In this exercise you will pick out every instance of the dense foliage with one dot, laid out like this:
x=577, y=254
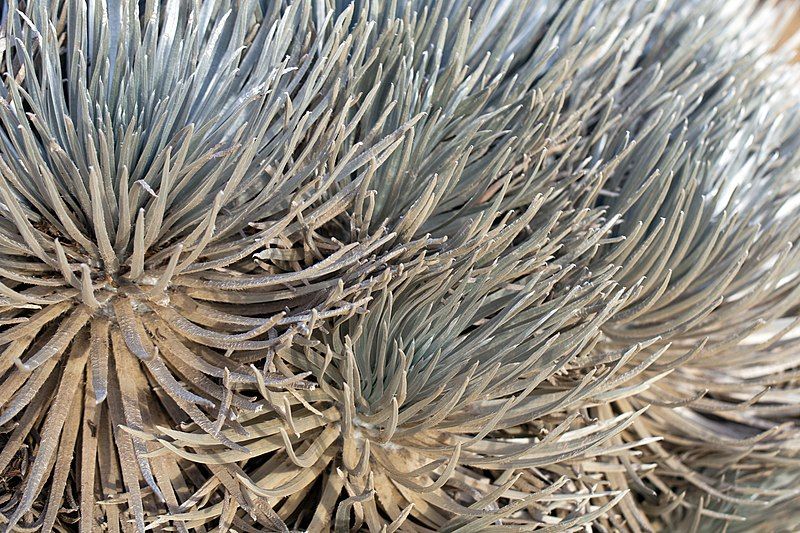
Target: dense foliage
x=475, y=265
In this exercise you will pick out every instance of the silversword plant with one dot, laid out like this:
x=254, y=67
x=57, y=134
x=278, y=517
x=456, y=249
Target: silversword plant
x=379, y=265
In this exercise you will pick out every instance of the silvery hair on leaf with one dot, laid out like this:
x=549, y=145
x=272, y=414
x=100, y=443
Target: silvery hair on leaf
x=398, y=265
